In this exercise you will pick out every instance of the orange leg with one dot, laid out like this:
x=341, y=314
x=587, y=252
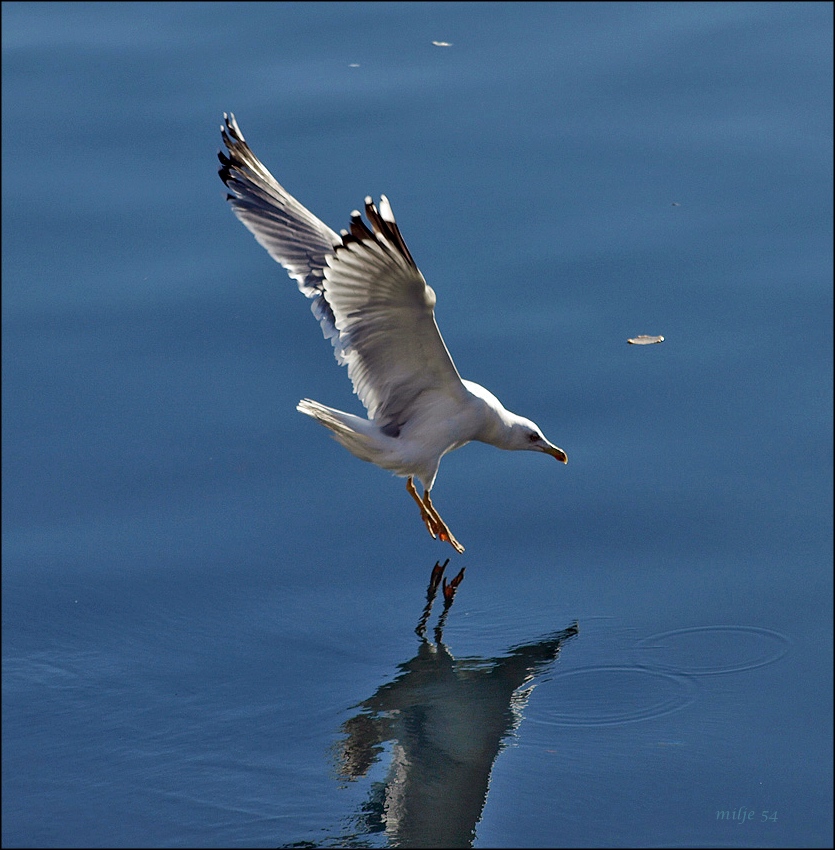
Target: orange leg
x=410, y=487
x=431, y=518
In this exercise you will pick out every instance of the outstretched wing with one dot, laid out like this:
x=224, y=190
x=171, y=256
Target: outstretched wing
x=369, y=295
x=292, y=235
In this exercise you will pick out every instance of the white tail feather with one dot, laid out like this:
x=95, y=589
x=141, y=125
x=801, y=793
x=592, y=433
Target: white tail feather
x=351, y=431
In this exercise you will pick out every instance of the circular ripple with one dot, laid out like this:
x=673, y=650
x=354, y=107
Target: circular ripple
x=712, y=650
x=609, y=696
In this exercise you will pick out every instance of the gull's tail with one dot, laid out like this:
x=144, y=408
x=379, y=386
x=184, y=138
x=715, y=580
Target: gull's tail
x=360, y=436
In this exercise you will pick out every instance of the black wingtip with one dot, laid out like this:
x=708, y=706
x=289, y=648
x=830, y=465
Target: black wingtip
x=380, y=227
x=359, y=229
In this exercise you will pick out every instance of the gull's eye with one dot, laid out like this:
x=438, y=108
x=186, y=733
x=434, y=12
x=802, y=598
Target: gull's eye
x=533, y=437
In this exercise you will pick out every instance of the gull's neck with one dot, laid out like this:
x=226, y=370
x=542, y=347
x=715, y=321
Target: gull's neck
x=495, y=422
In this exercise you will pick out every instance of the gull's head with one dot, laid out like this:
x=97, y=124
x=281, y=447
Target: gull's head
x=507, y=430
x=524, y=435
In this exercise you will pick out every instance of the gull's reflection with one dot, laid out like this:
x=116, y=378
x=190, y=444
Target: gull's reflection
x=445, y=720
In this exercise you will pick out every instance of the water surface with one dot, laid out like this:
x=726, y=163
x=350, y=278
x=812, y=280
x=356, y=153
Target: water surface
x=206, y=600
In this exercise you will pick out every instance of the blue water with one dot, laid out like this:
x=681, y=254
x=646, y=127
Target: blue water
x=209, y=607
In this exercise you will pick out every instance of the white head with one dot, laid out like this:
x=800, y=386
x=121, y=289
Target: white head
x=524, y=435
x=506, y=430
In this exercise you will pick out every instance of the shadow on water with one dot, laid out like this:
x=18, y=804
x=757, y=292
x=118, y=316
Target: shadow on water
x=443, y=720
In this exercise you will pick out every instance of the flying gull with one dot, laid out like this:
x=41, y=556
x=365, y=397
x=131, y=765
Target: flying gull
x=378, y=312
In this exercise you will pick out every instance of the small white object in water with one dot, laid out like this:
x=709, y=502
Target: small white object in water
x=645, y=339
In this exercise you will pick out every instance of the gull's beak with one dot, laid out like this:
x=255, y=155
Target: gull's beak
x=559, y=454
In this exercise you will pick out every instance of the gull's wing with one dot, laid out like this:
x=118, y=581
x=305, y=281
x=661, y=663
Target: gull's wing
x=386, y=319
x=292, y=235
x=372, y=300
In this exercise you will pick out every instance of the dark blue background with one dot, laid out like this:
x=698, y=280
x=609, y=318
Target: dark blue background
x=198, y=584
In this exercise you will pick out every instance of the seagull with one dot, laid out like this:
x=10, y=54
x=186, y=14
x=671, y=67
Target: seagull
x=377, y=310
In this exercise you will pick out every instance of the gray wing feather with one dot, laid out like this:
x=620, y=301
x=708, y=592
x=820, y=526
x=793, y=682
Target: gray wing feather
x=292, y=235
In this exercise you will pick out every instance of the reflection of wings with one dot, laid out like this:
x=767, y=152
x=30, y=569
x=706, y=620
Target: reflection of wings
x=446, y=719
x=362, y=746
x=369, y=296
